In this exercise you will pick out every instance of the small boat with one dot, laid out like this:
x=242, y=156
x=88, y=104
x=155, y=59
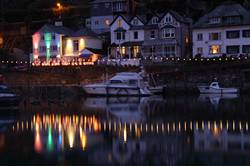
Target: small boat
x=8, y=99
x=122, y=84
x=214, y=88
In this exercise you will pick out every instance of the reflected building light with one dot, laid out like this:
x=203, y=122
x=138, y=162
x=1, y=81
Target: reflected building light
x=191, y=125
x=247, y=126
x=125, y=135
x=233, y=125
x=50, y=140
x=38, y=143
x=71, y=136
x=208, y=125
x=221, y=125
x=83, y=138
x=202, y=125
x=162, y=127
x=168, y=127
x=185, y=125
x=174, y=127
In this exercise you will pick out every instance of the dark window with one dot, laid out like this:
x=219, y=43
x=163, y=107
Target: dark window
x=42, y=49
x=53, y=48
x=120, y=35
x=233, y=49
x=233, y=34
x=199, y=36
x=233, y=20
x=96, y=22
x=42, y=37
x=214, y=36
x=53, y=37
x=135, y=35
x=152, y=34
x=170, y=50
x=76, y=45
x=246, y=33
x=246, y=49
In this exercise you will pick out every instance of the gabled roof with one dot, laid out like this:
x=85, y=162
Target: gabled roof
x=226, y=9
x=56, y=29
x=142, y=18
x=176, y=15
x=125, y=18
x=85, y=32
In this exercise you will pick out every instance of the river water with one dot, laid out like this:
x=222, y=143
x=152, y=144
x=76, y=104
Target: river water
x=174, y=130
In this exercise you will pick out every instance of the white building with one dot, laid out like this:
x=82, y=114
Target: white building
x=56, y=42
x=223, y=31
x=127, y=36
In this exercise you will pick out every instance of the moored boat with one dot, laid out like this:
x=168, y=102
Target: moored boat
x=215, y=88
x=122, y=84
x=8, y=99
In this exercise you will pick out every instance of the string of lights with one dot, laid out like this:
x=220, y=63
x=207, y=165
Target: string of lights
x=158, y=59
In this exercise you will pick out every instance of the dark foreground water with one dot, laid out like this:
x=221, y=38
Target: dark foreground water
x=176, y=130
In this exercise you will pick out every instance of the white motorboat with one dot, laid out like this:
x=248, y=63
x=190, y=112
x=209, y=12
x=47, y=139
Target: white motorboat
x=122, y=84
x=215, y=88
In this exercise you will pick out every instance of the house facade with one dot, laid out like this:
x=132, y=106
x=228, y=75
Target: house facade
x=53, y=42
x=223, y=31
x=127, y=36
x=164, y=35
x=167, y=35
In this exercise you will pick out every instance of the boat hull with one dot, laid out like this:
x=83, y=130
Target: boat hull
x=116, y=91
x=212, y=90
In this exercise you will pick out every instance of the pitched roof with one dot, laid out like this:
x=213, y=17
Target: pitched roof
x=85, y=32
x=226, y=9
x=56, y=29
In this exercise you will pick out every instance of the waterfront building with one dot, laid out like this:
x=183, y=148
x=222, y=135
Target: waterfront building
x=161, y=35
x=223, y=31
x=167, y=35
x=56, y=42
x=127, y=36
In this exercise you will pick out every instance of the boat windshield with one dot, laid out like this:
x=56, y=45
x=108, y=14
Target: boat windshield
x=115, y=82
x=132, y=82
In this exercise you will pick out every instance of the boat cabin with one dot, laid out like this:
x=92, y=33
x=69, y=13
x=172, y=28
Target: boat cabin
x=128, y=78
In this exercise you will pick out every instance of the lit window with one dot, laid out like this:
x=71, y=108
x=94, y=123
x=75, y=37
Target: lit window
x=119, y=23
x=215, y=49
x=107, y=22
x=123, y=50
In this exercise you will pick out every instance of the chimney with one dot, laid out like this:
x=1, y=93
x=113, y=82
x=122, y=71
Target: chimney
x=58, y=23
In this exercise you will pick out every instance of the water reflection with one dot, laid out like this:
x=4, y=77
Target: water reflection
x=130, y=131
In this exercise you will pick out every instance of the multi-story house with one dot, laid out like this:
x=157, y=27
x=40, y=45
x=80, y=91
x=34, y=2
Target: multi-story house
x=127, y=36
x=223, y=31
x=61, y=43
x=103, y=12
x=167, y=35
